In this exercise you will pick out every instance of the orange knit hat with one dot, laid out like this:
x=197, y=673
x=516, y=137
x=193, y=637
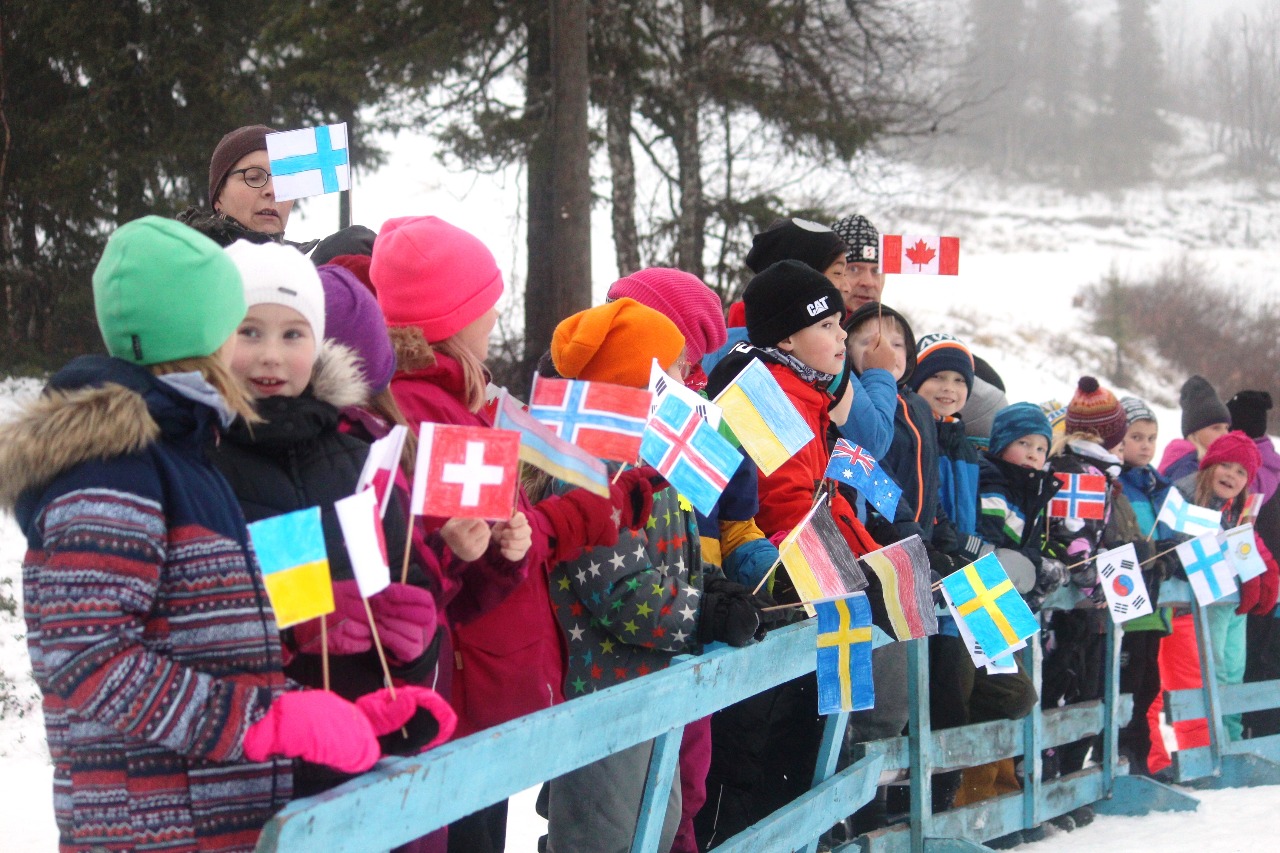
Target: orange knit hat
x=616, y=343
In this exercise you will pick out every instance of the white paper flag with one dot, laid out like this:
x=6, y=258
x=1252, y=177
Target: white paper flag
x=1207, y=569
x=661, y=384
x=1242, y=552
x=1121, y=580
x=380, y=466
x=310, y=161
x=366, y=544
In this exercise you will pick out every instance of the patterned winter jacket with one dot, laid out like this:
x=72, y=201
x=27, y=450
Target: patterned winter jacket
x=148, y=626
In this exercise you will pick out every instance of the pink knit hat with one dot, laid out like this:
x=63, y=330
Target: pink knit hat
x=1236, y=447
x=685, y=300
x=433, y=275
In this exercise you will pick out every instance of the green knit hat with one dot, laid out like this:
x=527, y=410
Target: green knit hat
x=164, y=291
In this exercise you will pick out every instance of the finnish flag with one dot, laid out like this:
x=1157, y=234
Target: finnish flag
x=310, y=161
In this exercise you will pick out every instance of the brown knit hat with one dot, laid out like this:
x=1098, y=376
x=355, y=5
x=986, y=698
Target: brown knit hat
x=236, y=144
x=615, y=343
x=1095, y=409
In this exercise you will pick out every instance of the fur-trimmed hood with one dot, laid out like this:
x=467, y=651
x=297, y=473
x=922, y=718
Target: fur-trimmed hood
x=336, y=377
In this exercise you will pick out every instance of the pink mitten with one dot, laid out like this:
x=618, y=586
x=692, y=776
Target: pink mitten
x=406, y=619
x=348, y=625
x=316, y=726
x=425, y=706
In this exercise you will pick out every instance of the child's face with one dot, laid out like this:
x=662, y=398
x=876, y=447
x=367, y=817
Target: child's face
x=864, y=338
x=275, y=349
x=1206, y=436
x=475, y=335
x=1228, y=479
x=1139, y=445
x=945, y=392
x=1029, y=451
x=821, y=346
x=835, y=274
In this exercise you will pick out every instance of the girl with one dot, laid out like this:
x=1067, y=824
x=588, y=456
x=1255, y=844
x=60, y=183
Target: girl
x=438, y=286
x=148, y=625
x=297, y=458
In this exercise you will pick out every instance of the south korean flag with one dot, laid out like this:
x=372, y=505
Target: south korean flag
x=1121, y=580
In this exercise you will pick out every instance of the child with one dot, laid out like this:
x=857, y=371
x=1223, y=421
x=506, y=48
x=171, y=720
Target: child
x=763, y=749
x=296, y=458
x=1204, y=418
x=626, y=610
x=150, y=634
x=438, y=287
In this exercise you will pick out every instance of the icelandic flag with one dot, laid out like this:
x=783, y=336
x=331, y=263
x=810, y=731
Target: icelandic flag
x=844, y=655
x=817, y=558
x=603, y=419
x=310, y=161
x=1122, y=583
x=295, y=565
x=1242, y=552
x=661, y=385
x=465, y=472
x=1207, y=568
x=1081, y=496
x=763, y=418
x=543, y=449
x=854, y=466
x=987, y=603
x=919, y=254
x=903, y=570
x=689, y=452
x=366, y=542
x=379, y=471
x=1183, y=517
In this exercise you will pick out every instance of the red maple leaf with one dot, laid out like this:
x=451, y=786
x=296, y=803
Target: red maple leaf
x=920, y=254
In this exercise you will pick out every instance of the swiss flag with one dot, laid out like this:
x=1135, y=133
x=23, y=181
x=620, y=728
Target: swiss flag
x=467, y=472
x=919, y=254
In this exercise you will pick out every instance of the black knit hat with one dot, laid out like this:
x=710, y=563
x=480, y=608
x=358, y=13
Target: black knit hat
x=1249, y=412
x=352, y=240
x=1200, y=406
x=865, y=312
x=801, y=240
x=785, y=298
x=862, y=237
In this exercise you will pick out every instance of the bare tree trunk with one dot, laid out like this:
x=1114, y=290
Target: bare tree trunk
x=690, y=238
x=622, y=165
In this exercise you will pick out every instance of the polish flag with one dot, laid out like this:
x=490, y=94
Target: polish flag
x=919, y=254
x=379, y=471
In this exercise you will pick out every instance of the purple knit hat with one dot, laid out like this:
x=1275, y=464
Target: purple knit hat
x=353, y=318
x=685, y=300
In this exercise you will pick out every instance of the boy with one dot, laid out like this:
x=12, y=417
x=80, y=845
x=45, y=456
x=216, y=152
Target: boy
x=1204, y=419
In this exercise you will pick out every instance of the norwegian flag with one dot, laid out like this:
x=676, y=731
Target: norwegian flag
x=379, y=470
x=603, y=419
x=919, y=254
x=688, y=451
x=465, y=472
x=1081, y=496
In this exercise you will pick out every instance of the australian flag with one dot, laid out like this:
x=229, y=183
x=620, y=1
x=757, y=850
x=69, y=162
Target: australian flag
x=854, y=466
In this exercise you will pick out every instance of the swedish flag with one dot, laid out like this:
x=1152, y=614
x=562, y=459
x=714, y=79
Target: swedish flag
x=984, y=597
x=844, y=654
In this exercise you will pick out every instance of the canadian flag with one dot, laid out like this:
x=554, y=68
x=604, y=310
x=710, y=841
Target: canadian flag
x=379, y=469
x=919, y=254
x=466, y=472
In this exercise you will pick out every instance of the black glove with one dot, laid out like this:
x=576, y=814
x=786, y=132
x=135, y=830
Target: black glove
x=935, y=584
x=939, y=562
x=731, y=614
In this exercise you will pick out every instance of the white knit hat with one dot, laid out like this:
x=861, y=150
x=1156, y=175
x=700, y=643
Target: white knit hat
x=280, y=275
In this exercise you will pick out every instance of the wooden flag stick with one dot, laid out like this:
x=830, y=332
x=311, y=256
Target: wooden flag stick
x=408, y=548
x=765, y=579
x=1152, y=558
x=621, y=468
x=324, y=653
x=782, y=607
x=377, y=644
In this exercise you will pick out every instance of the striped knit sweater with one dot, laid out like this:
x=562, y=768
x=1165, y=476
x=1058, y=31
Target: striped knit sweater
x=148, y=628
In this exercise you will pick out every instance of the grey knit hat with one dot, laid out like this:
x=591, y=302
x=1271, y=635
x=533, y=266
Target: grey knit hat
x=1136, y=410
x=1201, y=406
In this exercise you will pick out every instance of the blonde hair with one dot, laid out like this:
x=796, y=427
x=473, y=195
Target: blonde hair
x=1233, y=508
x=1060, y=442
x=474, y=378
x=383, y=404
x=217, y=374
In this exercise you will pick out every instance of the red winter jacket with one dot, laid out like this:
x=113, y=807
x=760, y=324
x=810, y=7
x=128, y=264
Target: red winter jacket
x=510, y=660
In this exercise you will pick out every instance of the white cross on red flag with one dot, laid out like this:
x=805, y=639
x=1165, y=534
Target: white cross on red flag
x=465, y=472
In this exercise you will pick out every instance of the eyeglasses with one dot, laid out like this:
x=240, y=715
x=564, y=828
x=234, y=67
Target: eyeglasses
x=254, y=176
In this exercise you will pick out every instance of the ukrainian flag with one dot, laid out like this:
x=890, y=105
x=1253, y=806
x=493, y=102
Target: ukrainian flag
x=763, y=418
x=295, y=566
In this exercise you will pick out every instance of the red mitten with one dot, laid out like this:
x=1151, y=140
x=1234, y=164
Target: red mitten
x=420, y=704
x=1268, y=591
x=579, y=519
x=316, y=726
x=1250, y=591
x=632, y=495
x=406, y=619
x=348, y=625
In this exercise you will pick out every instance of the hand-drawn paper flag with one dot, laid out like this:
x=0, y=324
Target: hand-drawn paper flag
x=986, y=601
x=543, y=449
x=854, y=466
x=1183, y=517
x=762, y=417
x=919, y=254
x=1006, y=664
x=366, y=542
x=1081, y=496
x=1207, y=568
x=379, y=471
x=1252, y=506
x=465, y=472
x=310, y=161
x=1242, y=552
x=295, y=566
x=661, y=385
x=1122, y=582
x=844, y=655
x=689, y=452
x=603, y=419
x=818, y=559
x=903, y=571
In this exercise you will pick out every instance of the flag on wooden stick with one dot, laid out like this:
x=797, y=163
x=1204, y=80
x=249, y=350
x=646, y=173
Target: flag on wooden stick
x=295, y=565
x=903, y=571
x=465, y=472
x=987, y=603
x=763, y=418
x=818, y=558
x=310, y=161
x=919, y=254
x=1081, y=496
x=1207, y=568
x=603, y=419
x=844, y=655
x=543, y=449
x=1122, y=583
x=854, y=466
x=379, y=471
x=1183, y=517
x=1241, y=549
x=689, y=452
x=365, y=540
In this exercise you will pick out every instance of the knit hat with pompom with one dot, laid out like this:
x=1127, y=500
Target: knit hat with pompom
x=1095, y=409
